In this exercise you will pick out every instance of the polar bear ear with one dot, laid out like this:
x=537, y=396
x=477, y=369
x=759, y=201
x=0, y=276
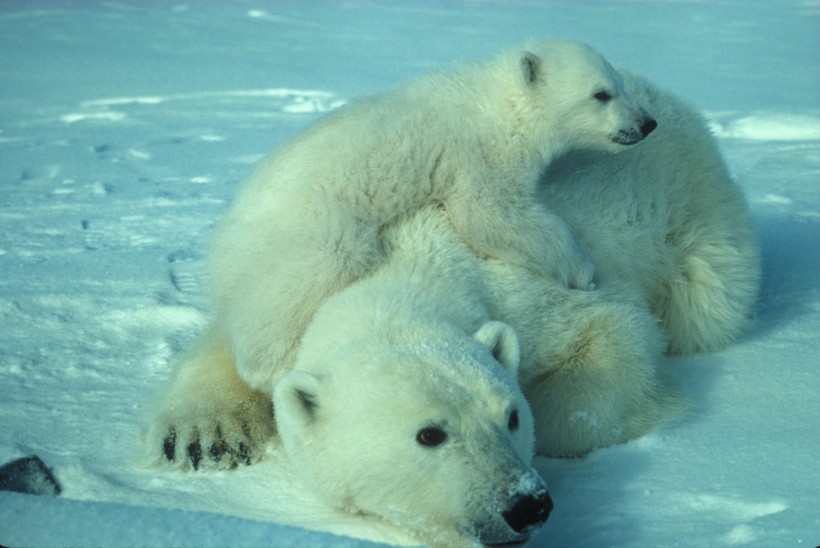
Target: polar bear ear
x=502, y=342
x=296, y=398
x=531, y=68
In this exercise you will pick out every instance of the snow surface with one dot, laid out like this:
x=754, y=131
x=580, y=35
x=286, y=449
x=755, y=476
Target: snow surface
x=124, y=128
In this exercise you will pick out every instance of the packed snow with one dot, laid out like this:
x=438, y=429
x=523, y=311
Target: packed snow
x=124, y=128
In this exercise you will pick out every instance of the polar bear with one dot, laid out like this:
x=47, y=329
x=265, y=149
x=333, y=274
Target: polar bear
x=676, y=272
x=403, y=401
x=679, y=272
x=667, y=217
x=474, y=138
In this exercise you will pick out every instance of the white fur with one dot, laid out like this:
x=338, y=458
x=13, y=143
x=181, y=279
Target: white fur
x=307, y=222
x=678, y=272
x=409, y=347
x=419, y=340
x=667, y=217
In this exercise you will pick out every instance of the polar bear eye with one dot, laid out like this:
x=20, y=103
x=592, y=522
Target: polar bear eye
x=431, y=436
x=512, y=423
x=603, y=96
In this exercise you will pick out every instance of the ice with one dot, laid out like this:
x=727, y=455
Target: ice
x=124, y=129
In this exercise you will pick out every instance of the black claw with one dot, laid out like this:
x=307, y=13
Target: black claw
x=243, y=455
x=194, y=454
x=169, y=445
x=218, y=450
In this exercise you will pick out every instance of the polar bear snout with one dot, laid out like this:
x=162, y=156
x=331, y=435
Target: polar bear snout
x=528, y=512
x=648, y=126
x=637, y=132
x=527, y=508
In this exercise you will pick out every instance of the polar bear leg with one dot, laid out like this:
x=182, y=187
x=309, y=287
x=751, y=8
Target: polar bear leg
x=286, y=274
x=591, y=375
x=708, y=295
x=601, y=385
x=208, y=417
x=523, y=233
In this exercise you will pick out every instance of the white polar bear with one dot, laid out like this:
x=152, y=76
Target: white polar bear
x=307, y=222
x=672, y=239
x=677, y=271
x=403, y=402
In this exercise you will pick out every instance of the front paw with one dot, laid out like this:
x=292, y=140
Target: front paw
x=583, y=278
x=577, y=271
x=202, y=437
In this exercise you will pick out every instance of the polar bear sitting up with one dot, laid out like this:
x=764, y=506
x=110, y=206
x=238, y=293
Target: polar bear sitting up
x=307, y=222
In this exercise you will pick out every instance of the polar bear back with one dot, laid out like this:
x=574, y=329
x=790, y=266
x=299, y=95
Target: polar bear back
x=667, y=216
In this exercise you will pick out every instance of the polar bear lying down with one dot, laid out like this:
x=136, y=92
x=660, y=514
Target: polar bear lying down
x=420, y=391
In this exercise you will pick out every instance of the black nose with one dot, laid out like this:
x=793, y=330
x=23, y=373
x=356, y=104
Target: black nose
x=527, y=512
x=648, y=126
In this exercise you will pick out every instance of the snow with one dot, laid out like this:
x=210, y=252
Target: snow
x=124, y=128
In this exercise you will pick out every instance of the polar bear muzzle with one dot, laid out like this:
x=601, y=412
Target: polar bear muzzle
x=528, y=508
x=636, y=134
x=528, y=512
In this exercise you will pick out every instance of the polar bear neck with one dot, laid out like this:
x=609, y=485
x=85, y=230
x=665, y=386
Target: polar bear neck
x=474, y=104
x=441, y=293
x=501, y=95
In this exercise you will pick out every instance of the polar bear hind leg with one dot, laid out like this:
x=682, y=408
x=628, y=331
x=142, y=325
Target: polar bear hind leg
x=708, y=294
x=590, y=361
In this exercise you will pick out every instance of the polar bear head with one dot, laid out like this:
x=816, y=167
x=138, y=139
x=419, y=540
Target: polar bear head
x=426, y=428
x=574, y=99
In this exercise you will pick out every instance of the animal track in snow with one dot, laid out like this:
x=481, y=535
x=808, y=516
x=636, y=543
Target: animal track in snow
x=185, y=272
x=126, y=233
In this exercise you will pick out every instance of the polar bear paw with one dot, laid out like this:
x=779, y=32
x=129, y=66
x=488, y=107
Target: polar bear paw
x=576, y=270
x=202, y=437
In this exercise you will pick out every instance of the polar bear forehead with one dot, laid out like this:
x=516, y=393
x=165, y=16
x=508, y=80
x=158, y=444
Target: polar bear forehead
x=459, y=370
x=568, y=59
x=565, y=52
